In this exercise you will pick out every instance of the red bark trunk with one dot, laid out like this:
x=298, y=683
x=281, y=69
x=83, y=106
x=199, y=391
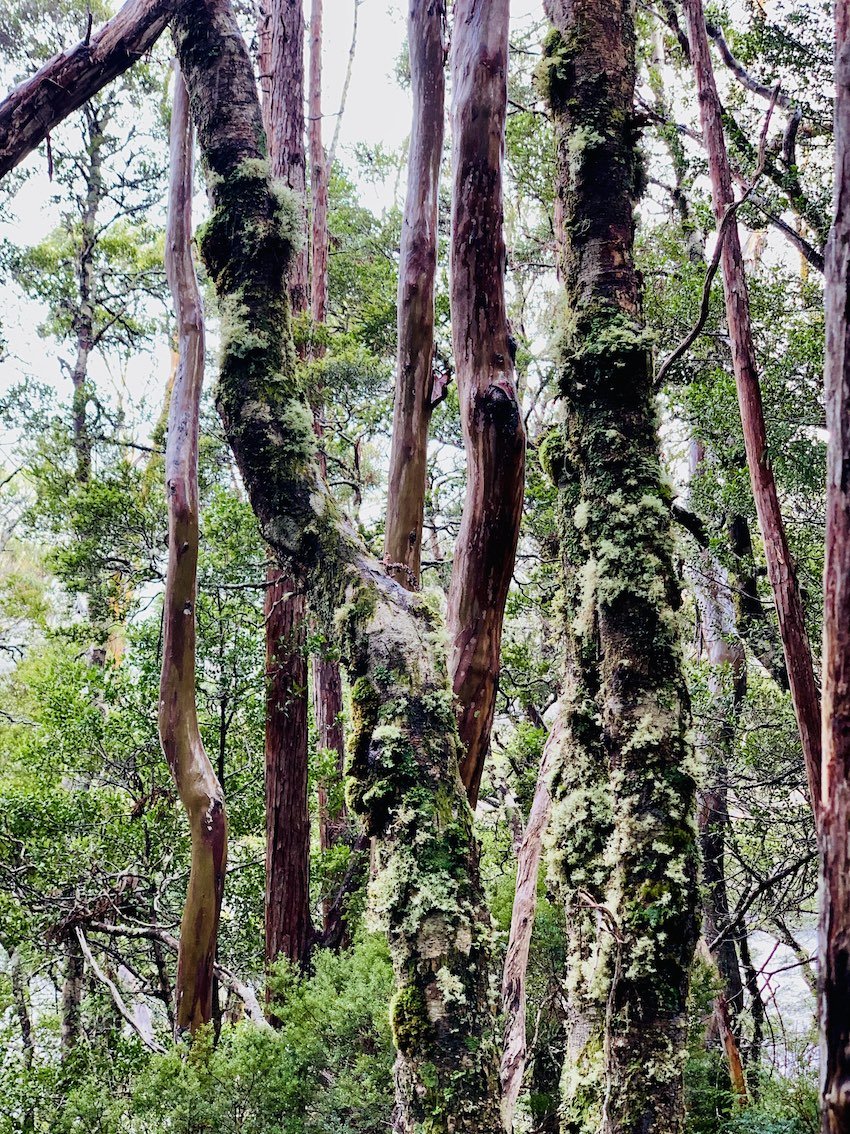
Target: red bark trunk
x=780, y=567
x=416, y=274
x=493, y=432
x=318, y=171
x=835, y=831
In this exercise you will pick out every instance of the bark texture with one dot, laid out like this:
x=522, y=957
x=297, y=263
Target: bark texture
x=493, y=432
x=288, y=920
x=318, y=171
x=522, y=927
x=404, y=748
x=65, y=82
x=190, y=766
x=627, y=708
x=835, y=833
x=780, y=566
x=426, y=26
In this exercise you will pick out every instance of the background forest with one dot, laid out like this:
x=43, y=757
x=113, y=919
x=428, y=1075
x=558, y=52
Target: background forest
x=95, y=847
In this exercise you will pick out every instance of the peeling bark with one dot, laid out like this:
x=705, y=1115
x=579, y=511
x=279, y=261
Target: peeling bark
x=780, y=566
x=404, y=748
x=493, y=431
x=199, y=789
x=32, y=109
x=834, y=1005
x=522, y=927
x=627, y=703
x=417, y=270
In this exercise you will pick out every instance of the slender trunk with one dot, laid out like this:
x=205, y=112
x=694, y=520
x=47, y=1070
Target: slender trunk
x=38, y=104
x=835, y=842
x=289, y=925
x=288, y=920
x=522, y=927
x=426, y=22
x=404, y=746
x=343, y=98
x=193, y=773
x=318, y=171
x=727, y=684
x=493, y=432
x=72, y=995
x=783, y=579
x=615, y=505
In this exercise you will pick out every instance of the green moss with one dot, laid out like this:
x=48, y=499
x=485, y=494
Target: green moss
x=409, y=1019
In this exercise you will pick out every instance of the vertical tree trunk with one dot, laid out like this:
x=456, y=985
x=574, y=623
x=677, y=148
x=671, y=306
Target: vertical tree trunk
x=193, y=773
x=493, y=432
x=522, y=927
x=318, y=171
x=289, y=925
x=835, y=834
x=629, y=1079
x=72, y=995
x=783, y=579
x=426, y=21
x=288, y=920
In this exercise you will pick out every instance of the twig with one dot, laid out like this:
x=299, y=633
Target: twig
x=118, y=1000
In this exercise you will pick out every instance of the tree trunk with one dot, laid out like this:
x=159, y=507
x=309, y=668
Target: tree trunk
x=835, y=835
x=288, y=920
x=404, y=748
x=426, y=24
x=193, y=773
x=318, y=171
x=614, y=503
x=727, y=683
x=783, y=579
x=493, y=432
x=522, y=927
x=32, y=109
x=72, y=995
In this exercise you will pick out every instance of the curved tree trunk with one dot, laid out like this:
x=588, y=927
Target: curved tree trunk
x=404, y=748
x=193, y=773
x=426, y=23
x=493, y=432
x=780, y=566
x=835, y=835
x=615, y=506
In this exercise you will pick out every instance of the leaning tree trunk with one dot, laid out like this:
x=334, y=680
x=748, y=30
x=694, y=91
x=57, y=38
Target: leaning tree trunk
x=288, y=920
x=493, y=431
x=404, y=748
x=835, y=831
x=193, y=773
x=780, y=566
x=426, y=24
x=619, y=510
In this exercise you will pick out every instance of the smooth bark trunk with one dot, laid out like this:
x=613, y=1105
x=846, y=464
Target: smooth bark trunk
x=199, y=788
x=780, y=566
x=835, y=834
x=615, y=507
x=426, y=28
x=493, y=431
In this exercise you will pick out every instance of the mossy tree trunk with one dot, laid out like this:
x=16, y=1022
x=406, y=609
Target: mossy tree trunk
x=404, y=750
x=491, y=417
x=630, y=704
x=417, y=270
x=835, y=833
